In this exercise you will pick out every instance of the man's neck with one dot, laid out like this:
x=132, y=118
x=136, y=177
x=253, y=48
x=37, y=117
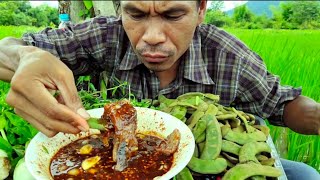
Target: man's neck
x=166, y=77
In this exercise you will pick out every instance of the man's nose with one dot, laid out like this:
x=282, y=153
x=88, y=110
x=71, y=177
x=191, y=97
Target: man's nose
x=154, y=33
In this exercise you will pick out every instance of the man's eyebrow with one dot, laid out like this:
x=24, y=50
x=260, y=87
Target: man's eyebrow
x=132, y=8
x=175, y=10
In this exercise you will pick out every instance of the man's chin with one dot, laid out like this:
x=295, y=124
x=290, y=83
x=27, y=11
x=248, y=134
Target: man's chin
x=157, y=69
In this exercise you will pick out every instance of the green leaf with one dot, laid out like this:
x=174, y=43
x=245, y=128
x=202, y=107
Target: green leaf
x=94, y=124
x=5, y=145
x=21, y=131
x=15, y=120
x=92, y=88
x=82, y=13
x=2, y=122
x=19, y=149
x=88, y=4
x=86, y=78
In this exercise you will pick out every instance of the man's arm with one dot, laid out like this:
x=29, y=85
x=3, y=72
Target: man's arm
x=9, y=57
x=303, y=115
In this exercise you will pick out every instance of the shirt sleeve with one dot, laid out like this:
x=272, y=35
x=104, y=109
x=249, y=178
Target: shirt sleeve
x=82, y=47
x=260, y=92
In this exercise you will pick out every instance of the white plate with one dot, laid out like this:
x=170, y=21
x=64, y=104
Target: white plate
x=41, y=148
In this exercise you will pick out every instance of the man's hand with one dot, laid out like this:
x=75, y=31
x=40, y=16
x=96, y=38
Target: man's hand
x=37, y=73
x=303, y=115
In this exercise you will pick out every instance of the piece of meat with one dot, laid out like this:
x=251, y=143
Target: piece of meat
x=171, y=143
x=123, y=117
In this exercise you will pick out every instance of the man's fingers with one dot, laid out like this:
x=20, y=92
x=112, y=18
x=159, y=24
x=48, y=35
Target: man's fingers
x=35, y=123
x=53, y=115
x=68, y=91
x=48, y=123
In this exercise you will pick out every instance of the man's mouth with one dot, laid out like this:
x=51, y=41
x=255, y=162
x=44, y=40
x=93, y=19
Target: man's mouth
x=154, y=57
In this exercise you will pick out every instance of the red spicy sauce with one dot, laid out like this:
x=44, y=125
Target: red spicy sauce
x=147, y=164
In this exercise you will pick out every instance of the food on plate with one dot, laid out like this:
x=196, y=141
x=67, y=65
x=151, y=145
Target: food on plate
x=118, y=152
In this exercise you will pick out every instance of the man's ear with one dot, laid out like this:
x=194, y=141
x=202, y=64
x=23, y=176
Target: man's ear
x=202, y=11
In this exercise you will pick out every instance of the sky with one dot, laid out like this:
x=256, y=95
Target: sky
x=227, y=4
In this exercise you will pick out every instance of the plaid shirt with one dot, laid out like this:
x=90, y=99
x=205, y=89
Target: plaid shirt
x=215, y=62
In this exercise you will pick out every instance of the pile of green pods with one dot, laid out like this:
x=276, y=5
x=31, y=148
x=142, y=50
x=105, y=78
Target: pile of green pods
x=228, y=143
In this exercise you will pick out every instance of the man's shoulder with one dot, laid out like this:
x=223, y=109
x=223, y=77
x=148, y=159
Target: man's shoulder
x=219, y=39
x=108, y=20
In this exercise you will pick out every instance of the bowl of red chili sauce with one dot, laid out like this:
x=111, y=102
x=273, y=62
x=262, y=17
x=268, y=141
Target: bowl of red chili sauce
x=90, y=155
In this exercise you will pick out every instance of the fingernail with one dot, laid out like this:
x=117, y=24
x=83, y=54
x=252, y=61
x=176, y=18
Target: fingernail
x=82, y=128
x=83, y=113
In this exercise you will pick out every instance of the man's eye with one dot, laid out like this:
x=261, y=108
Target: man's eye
x=173, y=17
x=138, y=16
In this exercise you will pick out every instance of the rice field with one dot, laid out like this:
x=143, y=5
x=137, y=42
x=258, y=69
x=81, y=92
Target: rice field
x=293, y=55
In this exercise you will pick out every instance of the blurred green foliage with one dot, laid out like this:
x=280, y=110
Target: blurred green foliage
x=19, y=13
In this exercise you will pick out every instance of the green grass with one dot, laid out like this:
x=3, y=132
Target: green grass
x=295, y=57
x=16, y=31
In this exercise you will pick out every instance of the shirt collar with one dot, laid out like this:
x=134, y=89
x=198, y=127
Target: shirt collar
x=195, y=68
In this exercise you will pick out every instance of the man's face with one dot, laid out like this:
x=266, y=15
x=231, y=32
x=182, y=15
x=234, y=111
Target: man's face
x=160, y=31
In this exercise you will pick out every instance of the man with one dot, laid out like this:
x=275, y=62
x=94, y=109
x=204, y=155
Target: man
x=159, y=47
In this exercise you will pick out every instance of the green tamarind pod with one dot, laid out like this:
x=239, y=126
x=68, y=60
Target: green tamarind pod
x=201, y=147
x=196, y=151
x=239, y=129
x=226, y=116
x=213, y=142
x=179, y=112
x=229, y=163
x=193, y=101
x=243, y=138
x=194, y=118
x=230, y=158
x=184, y=174
x=249, y=150
x=230, y=147
x=258, y=178
x=203, y=106
x=263, y=128
x=252, y=118
x=165, y=101
x=234, y=122
x=268, y=162
x=199, y=128
x=261, y=157
x=244, y=171
x=201, y=138
x=182, y=103
x=205, y=166
x=190, y=95
x=212, y=110
x=244, y=120
x=212, y=97
x=224, y=130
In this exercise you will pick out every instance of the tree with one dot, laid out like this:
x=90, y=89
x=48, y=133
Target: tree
x=302, y=14
x=21, y=13
x=216, y=5
x=305, y=11
x=242, y=14
x=215, y=15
